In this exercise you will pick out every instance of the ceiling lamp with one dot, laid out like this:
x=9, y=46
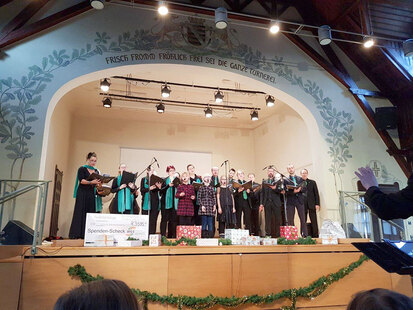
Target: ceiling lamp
x=208, y=112
x=104, y=85
x=165, y=91
x=162, y=8
x=219, y=96
x=408, y=48
x=160, y=108
x=221, y=18
x=274, y=27
x=254, y=116
x=368, y=42
x=107, y=102
x=269, y=101
x=97, y=4
x=324, y=35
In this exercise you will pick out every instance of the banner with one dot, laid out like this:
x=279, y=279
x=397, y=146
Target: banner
x=108, y=229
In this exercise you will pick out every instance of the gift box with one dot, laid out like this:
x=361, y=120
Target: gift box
x=190, y=232
x=104, y=240
x=289, y=232
x=236, y=235
x=207, y=242
x=328, y=239
x=250, y=240
x=155, y=240
x=129, y=243
x=269, y=241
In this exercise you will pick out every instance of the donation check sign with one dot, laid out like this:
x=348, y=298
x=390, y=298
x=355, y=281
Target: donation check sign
x=108, y=229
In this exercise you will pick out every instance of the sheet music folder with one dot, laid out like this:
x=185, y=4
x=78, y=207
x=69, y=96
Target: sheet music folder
x=388, y=256
x=102, y=178
x=128, y=177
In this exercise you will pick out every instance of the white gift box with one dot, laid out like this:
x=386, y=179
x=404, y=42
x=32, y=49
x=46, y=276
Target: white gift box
x=104, y=240
x=236, y=235
x=129, y=243
x=207, y=242
x=328, y=239
x=155, y=240
x=269, y=241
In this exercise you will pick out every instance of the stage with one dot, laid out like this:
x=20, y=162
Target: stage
x=35, y=282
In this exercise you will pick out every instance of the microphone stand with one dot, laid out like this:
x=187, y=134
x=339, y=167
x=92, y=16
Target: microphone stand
x=283, y=188
x=226, y=169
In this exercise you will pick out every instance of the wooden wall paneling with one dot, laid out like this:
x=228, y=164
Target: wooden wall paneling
x=43, y=278
x=10, y=280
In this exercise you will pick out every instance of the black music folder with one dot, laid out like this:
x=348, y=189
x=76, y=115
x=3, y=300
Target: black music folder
x=102, y=178
x=155, y=179
x=176, y=182
x=392, y=256
x=127, y=177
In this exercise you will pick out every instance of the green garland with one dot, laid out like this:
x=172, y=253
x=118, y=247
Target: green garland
x=312, y=291
x=307, y=240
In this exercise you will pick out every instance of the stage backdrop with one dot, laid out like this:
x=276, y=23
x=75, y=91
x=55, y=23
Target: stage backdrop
x=138, y=159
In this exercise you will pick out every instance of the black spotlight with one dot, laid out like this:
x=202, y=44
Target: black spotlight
x=107, y=102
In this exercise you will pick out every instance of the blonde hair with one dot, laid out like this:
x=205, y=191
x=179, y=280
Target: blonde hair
x=184, y=173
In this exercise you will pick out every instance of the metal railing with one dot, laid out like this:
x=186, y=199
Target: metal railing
x=368, y=229
x=9, y=191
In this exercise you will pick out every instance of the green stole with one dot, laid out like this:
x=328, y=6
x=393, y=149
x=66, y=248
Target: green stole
x=170, y=197
x=98, y=199
x=125, y=198
x=146, y=197
x=244, y=193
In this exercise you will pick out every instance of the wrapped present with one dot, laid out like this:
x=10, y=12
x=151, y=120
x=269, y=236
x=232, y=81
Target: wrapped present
x=328, y=239
x=330, y=227
x=155, y=240
x=207, y=242
x=269, y=241
x=129, y=243
x=104, y=240
x=236, y=235
x=190, y=232
x=289, y=232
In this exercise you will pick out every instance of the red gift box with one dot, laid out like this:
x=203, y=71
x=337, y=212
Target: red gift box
x=289, y=232
x=190, y=232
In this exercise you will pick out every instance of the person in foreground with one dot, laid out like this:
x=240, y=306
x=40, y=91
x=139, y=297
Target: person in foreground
x=98, y=295
x=386, y=206
x=380, y=299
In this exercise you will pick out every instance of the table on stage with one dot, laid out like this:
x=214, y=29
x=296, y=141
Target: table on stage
x=37, y=282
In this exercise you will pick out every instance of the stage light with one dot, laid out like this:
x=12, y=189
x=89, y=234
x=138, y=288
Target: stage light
x=165, y=91
x=107, y=102
x=408, y=48
x=162, y=8
x=269, y=101
x=97, y=4
x=104, y=85
x=254, y=116
x=160, y=108
x=324, y=35
x=368, y=42
x=274, y=27
x=221, y=18
x=219, y=96
x=208, y=112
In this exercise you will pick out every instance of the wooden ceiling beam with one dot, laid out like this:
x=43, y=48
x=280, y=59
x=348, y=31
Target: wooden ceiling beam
x=365, y=17
x=347, y=11
x=45, y=23
x=4, y=2
x=22, y=18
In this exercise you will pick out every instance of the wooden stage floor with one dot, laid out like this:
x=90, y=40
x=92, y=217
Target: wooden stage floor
x=35, y=282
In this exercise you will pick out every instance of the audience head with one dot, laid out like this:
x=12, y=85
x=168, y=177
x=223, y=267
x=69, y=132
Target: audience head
x=291, y=169
x=380, y=299
x=91, y=159
x=304, y=174
x=98, y=295
x=215, y=171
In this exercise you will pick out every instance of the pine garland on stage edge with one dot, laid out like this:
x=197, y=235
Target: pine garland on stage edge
x=315, y=289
